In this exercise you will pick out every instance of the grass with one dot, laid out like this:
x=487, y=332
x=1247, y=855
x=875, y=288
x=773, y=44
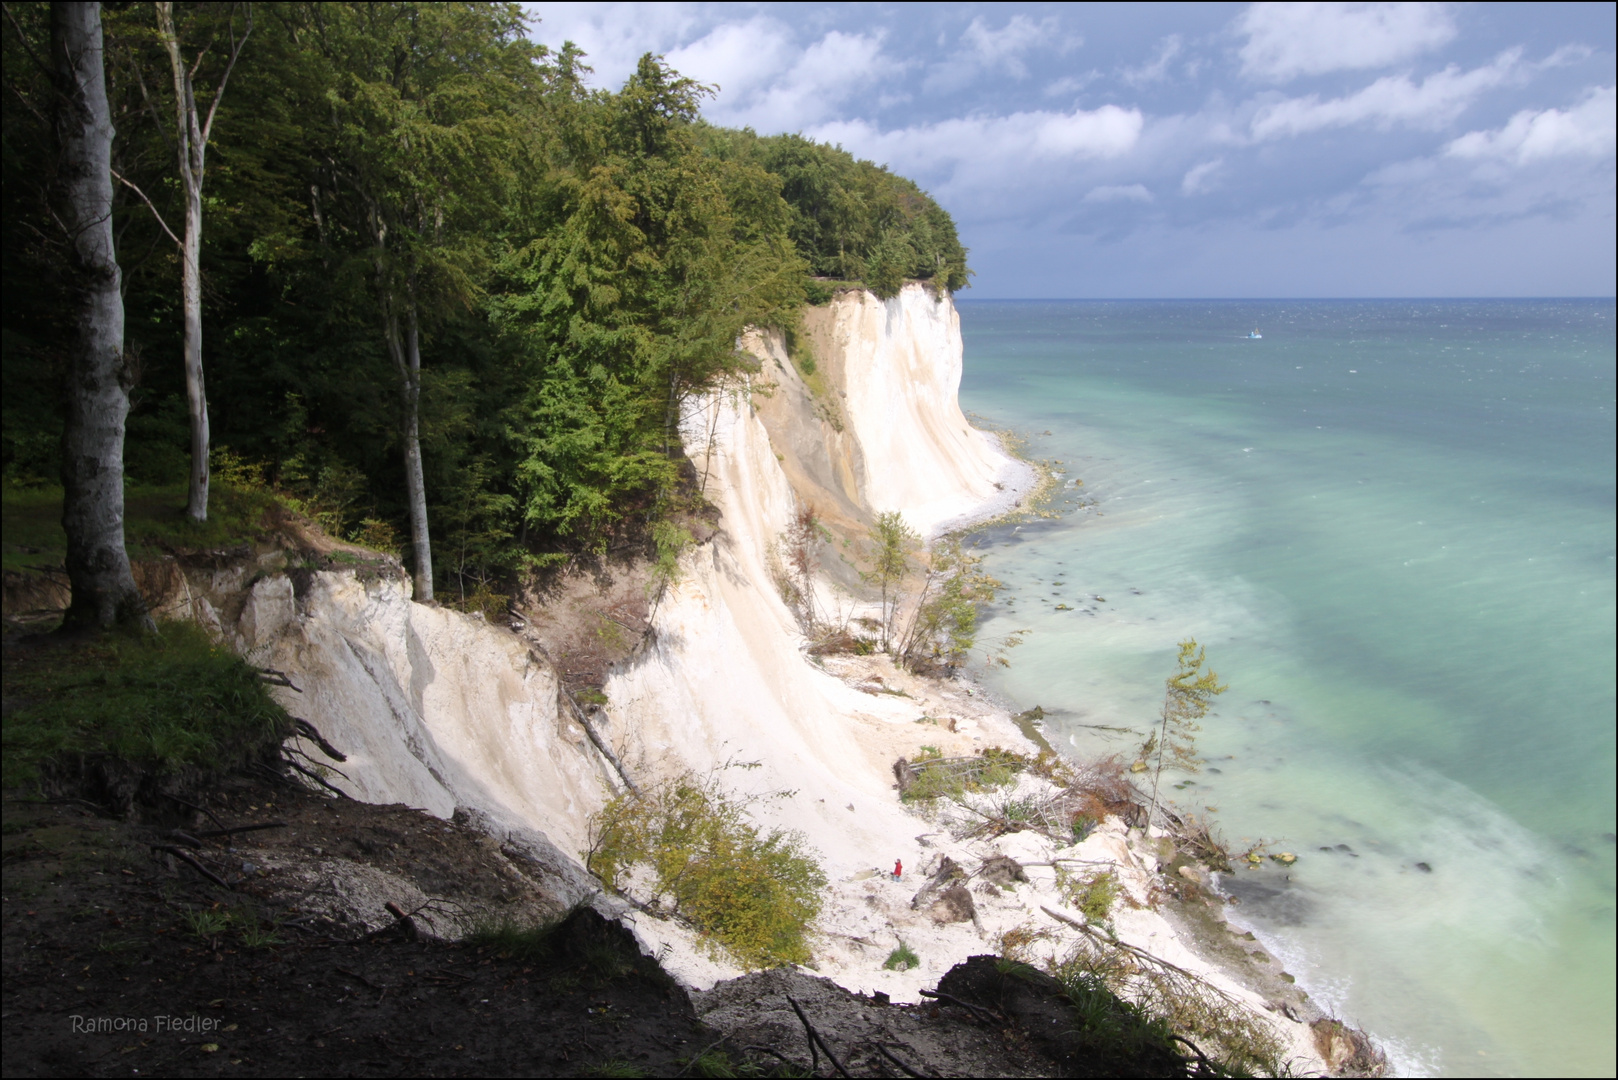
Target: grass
x=507, y=937
x=158, y=704
x=902, y=959
x=209, y=923
x=154, y=522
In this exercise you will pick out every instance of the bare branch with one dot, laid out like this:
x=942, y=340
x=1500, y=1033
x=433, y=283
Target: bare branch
x=235, y=52
x=154, y=210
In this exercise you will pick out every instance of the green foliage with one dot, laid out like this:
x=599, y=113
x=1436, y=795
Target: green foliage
x=754, y=893
x=902, y=959
x=1092, y=893
x=162, y=703
x=669, y=542
x=944, y=626
x=953, y=778
x=853, y=221
x=207, y=923
x=579, y=265
x=1188, y=694
x=889, y=554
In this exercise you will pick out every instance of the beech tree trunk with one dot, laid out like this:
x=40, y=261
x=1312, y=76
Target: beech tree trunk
x=405, y=348
x=97, y=395
x=192, y=142
x=415, y=484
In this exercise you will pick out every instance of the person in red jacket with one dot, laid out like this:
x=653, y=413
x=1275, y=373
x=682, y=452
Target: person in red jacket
x=898, y=869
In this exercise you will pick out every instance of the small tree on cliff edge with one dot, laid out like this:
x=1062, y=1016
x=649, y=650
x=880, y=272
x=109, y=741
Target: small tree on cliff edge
x=1187, y=695
x=891, y=559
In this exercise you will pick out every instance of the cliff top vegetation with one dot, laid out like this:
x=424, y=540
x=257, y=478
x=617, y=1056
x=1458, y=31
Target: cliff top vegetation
x=450, y=298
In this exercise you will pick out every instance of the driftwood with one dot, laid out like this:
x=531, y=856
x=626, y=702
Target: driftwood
x=403, y=920
x=973, y=1009
x=186, y=857
x=902, y=1067
x=814, y=1037
x=317, y=779
x=308, y=731
x=598, y=741
x=211, y=833
x=277, y=678
x=194, y=806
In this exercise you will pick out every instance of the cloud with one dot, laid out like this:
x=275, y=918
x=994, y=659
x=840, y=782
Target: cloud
x=1071, y=84
x=1393, y=99
x=1589, y=129
x=994, y=153
x=1155, y=70
x=804, y=89
x=1004, y=48
x=1119, y=193
x=984, y=51
x=738, y=57
x=615, y=36
x=1285, y=41
x=1200, y=178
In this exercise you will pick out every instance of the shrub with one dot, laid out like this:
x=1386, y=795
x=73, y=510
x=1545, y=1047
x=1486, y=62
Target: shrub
x=754, y=893
x=1093, y=893
x=902, y=959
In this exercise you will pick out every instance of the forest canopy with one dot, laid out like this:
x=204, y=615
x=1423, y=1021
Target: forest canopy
x=445, y=287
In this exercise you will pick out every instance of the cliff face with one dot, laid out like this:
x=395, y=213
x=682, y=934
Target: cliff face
x=443, y=711
x=878, y=425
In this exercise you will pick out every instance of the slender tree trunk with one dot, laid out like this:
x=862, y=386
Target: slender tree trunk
x=97, y=402
x=192, y=146
x=415, y=485
x=196, y=397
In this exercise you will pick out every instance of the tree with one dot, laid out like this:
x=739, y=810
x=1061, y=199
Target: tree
x=1186, y=698
x=192, y=133
x=890, y=559
x=944, y=622
x=425, y=102
x=648, y=258
x=97, y=390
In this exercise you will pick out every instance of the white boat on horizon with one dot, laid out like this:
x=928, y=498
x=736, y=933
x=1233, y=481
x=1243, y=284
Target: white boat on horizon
x=1255, y=336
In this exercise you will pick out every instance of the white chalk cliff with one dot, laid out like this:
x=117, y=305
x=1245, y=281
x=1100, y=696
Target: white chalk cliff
x=443, y=711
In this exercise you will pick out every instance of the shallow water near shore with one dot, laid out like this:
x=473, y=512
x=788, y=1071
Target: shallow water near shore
x=1391, y=524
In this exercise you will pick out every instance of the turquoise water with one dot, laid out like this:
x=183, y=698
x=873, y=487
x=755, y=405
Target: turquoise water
x=1391, y=524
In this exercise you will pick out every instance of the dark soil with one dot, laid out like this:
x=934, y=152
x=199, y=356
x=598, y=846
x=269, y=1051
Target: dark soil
x=107, y=971
x=121, y=959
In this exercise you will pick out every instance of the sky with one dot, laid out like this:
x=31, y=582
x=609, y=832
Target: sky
x=1190, y=150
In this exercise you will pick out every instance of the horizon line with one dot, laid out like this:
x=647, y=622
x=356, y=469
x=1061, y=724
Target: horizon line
x=1250, y=299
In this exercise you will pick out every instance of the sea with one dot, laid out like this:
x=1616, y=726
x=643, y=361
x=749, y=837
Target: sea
x=1390, y=525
